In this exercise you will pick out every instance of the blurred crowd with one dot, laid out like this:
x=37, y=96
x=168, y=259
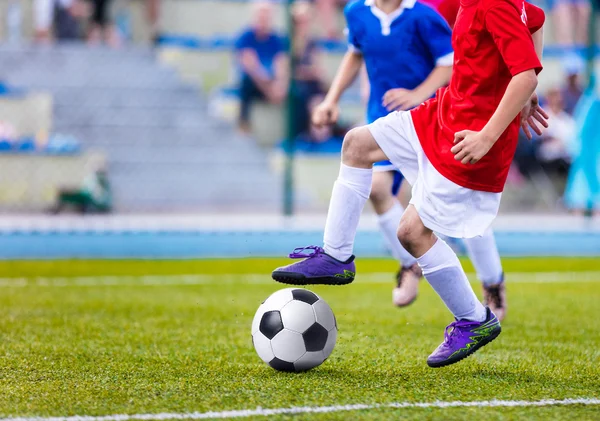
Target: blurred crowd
x=84, y=19
x=553, y=152
x=264, y=64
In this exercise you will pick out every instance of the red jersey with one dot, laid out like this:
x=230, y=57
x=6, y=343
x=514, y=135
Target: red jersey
x=449, y=9
x=492, y=43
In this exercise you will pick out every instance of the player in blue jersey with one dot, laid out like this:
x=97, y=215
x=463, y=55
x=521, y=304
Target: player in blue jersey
x=406, y=48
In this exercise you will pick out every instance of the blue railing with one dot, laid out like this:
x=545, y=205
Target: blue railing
x=226, y=42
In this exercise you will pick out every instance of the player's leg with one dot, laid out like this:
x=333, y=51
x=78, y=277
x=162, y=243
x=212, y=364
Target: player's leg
x=389, y=211
x=334, y=263
x=385, y=186
x=475, y=326
x=483, y=252
x=381, y=197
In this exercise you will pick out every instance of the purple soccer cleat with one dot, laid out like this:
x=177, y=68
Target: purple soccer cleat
x=317, y=268
x=462, y=338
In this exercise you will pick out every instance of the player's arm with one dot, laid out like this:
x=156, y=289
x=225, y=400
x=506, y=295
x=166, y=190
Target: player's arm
x=471, y=146
x=436, y=39
x=327, y=112
x=440, y=76
x=517, y=94
x=532, y=113
x=405, y=99
x=538, y=42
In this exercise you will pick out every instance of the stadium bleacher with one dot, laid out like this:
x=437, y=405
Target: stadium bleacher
x=164, y=151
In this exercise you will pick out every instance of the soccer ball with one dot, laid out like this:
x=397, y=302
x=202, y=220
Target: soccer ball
x=294, y=330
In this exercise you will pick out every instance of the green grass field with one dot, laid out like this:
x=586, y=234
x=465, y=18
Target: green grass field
x=102, y=338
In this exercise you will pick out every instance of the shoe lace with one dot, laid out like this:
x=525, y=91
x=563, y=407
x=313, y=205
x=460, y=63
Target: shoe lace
x=454, y=328
x=303, y=252
x=494, y=295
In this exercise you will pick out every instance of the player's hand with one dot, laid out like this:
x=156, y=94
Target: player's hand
x=325, y=113
x=469, y=147
x=400, y=99
x=531, y=113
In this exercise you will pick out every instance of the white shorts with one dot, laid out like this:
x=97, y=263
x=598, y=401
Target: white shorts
x=443, y=206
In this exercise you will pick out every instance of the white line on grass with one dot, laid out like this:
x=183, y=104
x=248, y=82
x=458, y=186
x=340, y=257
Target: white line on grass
x=255, y=278
x=244, y=413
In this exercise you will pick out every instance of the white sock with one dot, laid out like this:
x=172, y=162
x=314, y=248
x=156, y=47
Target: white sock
x=350, y=193
x=388, y=225
x=443, y=271
x=484, y=255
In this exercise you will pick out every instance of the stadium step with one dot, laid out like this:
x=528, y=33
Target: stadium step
x=176, y=98
x=164, y=150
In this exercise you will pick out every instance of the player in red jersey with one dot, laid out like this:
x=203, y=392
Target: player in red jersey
x=482, y=250
x=455, y=150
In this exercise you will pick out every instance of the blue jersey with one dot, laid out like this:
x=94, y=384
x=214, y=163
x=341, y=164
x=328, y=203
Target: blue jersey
x=399, y=49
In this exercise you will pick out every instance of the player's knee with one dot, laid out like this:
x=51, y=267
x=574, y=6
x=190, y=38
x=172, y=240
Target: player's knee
x=406, y=234
x=351, y=146
x=355, y=149
x=410, y=232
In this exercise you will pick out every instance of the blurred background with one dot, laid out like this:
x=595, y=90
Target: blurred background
x=134, y=128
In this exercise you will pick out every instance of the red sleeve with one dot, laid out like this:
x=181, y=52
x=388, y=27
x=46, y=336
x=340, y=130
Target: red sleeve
x=535, y=17
x=449, y=10
x=507, y=26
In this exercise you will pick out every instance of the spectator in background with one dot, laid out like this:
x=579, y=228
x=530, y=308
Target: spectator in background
x=327, y=138
x=153, y=13
x=43, y=18
x=572, y=91
x=308, y=75
x=558, y=138
x=261, y=56
x=57, y=19
x=101, y=28
x=551, y=152
x=327, y=16
x=582, y=194
x=571, y=19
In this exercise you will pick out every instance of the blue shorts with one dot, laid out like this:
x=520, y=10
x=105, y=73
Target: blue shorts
x=383, y=166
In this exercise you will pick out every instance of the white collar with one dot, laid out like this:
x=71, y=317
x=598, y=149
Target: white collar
x=406, y=4
x=387, y=19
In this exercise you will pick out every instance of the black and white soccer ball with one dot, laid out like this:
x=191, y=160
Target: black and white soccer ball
x=294, y=330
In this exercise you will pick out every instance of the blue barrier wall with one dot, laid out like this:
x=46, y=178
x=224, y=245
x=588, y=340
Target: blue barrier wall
x=205, y=244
